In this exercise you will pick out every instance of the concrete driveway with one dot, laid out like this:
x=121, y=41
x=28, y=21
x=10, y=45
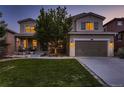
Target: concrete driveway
x=111, y=70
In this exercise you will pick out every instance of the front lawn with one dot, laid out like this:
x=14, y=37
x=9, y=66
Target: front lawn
x=45, y=73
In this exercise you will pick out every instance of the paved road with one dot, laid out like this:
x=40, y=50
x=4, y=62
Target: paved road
x=111, y=70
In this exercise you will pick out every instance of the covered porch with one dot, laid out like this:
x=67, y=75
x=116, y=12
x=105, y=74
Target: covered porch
x=26, y=44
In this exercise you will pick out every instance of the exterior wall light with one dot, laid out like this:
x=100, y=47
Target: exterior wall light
x=72, y=44
x=111, y=44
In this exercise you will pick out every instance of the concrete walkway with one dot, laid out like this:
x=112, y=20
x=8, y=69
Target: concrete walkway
x=111, y=70
x=8, y=59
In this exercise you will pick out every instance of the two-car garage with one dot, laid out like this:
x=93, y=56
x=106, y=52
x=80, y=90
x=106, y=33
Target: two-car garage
x=94, y=44
x=91, y=48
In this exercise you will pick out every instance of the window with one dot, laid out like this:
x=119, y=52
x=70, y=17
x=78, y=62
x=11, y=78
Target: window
x=119, y=36
x=119, y=23
x=34, y=43
x=25, y=43
x=96, y=25
x=89, y=26
x=29, y=29
x=83, y=26
x=32, y=29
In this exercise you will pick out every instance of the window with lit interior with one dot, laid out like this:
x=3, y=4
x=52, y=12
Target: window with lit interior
x=34, y=43
x=89, y=26
x=30, y=29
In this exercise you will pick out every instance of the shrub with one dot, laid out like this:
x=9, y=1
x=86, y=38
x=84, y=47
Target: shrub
x=20, y=49
x=121, y=52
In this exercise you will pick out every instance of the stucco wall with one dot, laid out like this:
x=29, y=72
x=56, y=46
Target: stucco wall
x=106, y=38
x=76, y=25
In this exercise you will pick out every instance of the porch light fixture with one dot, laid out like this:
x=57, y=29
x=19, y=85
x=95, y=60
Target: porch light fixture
x=111, y=45
x=72, y=44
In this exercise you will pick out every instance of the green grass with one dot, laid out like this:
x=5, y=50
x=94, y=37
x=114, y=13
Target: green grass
x=45, y=73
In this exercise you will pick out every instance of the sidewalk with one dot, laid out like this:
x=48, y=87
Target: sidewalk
x=8, y=59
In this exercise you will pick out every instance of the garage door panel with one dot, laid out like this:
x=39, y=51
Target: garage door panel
x=91, y=48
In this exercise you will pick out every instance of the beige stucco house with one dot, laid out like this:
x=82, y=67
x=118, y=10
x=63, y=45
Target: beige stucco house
x=25, y=38
x=87, y=37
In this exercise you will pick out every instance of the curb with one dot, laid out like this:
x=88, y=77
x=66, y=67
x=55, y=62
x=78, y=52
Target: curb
x=94, y=75
x=3, y=60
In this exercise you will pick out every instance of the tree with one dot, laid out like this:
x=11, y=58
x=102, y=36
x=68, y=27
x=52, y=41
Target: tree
x=52, y=27
x=3, y=44
x=42, y=28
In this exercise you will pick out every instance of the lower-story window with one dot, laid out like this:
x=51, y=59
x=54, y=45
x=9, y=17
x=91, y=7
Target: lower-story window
x=25, y=43
x=34, y=43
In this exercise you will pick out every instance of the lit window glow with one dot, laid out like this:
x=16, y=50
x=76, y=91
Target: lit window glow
x=30, y=29
x=111, y=45
x=34, y=43
x=25, y=43
x=89, y=26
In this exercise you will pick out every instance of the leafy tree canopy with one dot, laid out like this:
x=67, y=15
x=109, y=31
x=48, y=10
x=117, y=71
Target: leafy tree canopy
x=53, y=25
x=2, y=26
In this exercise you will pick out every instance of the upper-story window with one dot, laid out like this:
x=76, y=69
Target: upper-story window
x=29, y=29
x=119, y=36
x=90, y=26
x=83, y=26
x=96, y=25
x=119, y=23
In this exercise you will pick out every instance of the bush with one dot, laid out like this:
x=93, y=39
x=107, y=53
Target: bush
x=121, y=52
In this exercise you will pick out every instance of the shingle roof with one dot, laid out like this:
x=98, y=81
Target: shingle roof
x=113, y=20
x=91, y=32
x=24, y=34
x=11, y=31
x=25, y=20
x=86, y=14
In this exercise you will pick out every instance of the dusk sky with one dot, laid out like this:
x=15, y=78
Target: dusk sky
x=11, y=14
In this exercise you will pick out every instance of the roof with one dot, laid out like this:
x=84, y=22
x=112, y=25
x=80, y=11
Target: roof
x=86, y=14
x=24, y=35
x=11, y=31
x=91, y=33
x=25, y=20
x=121, y=31
x=114, y=19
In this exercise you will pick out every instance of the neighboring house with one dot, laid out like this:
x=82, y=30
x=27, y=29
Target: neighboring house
x=10, y=40
x=25, y=38
x=88, y=38
x=116, y=25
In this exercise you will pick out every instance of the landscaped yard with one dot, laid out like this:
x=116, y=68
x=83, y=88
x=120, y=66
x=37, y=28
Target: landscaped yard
x=45, y=73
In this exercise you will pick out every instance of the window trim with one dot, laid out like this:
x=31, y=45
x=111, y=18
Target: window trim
x=118, y=23
x=119, y=37
x=96, y=25
x=83, y=27
x=89, y=26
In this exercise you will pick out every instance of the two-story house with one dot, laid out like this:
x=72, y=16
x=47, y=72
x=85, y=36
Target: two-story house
x=116, y=25
x=88, y=38
x=25, y=38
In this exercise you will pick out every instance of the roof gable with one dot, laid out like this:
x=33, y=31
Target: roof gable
x=114, y=19
x=10, y=31
x=26, y=20
x=87, y=14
